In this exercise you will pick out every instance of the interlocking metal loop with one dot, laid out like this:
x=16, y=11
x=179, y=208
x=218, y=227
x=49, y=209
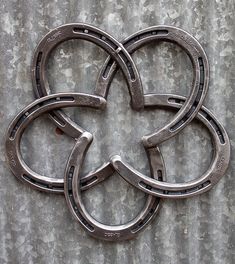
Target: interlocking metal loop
x=75, y=203
x=119, y=57
x=24, y=118
x=200, y=79
x=202, y=184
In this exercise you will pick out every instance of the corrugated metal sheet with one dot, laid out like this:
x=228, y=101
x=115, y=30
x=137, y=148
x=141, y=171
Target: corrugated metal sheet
x=37, y=227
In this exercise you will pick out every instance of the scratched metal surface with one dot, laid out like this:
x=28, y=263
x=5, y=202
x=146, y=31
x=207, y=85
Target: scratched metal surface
x=37, y=227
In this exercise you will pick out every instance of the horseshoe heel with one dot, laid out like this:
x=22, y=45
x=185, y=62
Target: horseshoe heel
x=101, y=39
x=24, y=118
x=214, y=173
x=99, y=175
x=74, y=200
x=200, y=80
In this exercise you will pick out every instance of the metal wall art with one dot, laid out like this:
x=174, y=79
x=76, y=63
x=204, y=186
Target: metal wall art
x=155, y=185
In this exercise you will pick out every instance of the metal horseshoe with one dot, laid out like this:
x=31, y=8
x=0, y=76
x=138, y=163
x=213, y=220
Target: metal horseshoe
x=73, y=196
x=202, y=184
x=200, y=81
x=25, y=117
x=92, y=34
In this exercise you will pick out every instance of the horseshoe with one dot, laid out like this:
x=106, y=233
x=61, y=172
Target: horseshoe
x=202, y=184
x=200, y=81
x=92, y=34
x=25, y=117
x=72, y=192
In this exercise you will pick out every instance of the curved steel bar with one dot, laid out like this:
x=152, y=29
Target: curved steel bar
x=202, y=184
x=25, y=117
x=74, y=200
x=200, y=79
x=92, y=34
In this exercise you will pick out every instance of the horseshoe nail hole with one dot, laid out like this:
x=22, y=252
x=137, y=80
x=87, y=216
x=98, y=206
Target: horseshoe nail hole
x=125, y=59
x=20, y=121
x=107, y=69
x=215, y=126
x=175, y=100
x=159, y=191
x=82, y=220
x=71, y=171
x=206, y=115
x=159, y=173
x=197, y=100
x=145, y=35
x=38, y=183
x=77, y=29
x=162, y=32
x=144, y=221
x=37, y=73
x=39, y=57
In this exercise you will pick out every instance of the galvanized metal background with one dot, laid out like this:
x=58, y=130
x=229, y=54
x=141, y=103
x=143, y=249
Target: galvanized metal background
x=37, y=227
